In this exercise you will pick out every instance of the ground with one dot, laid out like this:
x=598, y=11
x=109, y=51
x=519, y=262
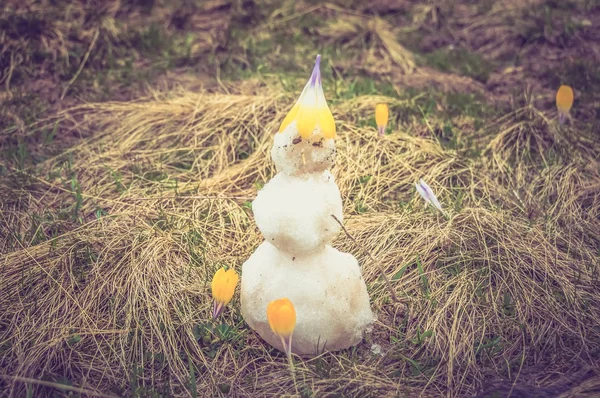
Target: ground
x=135, y=134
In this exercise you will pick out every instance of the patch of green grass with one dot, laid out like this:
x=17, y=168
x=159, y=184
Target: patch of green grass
x=16, y=114
x=360, y=86
x=211, y=336
x=466, y=104
x=123, y=58
x=360, y=207
x=411, y=40
x=285, y=55
x=556, y=22
x=460, y=61
x=270, y=48
x=488, y=347
x=420, y=336
x=433, y=105
x=280, y=47
x=48, y=225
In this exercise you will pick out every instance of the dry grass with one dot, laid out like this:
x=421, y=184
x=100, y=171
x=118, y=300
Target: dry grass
x=493, y=291
x=110, y=236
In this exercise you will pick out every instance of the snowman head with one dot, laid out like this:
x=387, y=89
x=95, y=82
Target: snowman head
x=304, y=142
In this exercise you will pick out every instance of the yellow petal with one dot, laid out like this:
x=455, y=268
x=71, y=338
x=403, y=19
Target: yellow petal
x=311, y=110
x=223, y=285
x=325, y=118
x=217, y=277
x=327, y=123
x=306, y=120
x=381, y=115
x=564, y=98
x=290, y=117
x=281, y=315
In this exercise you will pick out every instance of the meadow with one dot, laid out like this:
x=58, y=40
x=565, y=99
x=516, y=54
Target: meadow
x=134, y=135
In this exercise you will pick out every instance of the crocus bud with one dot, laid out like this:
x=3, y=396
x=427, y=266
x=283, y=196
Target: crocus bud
x=281, y=315
x=381, y=118
x=564, y=102
x=223, y=287
x=311, y=112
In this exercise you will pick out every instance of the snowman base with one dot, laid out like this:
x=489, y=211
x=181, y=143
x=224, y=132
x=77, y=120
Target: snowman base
x=326, y=287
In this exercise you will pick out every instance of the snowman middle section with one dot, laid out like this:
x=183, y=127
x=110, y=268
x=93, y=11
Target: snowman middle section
x=294, y=213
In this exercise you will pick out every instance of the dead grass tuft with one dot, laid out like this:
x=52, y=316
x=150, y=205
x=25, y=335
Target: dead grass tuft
x=385, y=48
x=528, y=135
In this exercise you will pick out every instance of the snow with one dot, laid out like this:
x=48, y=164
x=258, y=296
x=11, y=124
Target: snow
x=288, y=150
x=326, y=288
x=294, y=212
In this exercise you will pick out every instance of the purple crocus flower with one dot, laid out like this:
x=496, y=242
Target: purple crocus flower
x=427, y=194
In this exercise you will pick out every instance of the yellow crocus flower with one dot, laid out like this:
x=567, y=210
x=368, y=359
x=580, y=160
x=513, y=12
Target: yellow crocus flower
x=223, y=287
x=381, y=118
x=281, y=315
x=564, y=102
x=311, y=112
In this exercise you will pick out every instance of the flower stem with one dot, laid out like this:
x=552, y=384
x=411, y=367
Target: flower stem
x=288, y=351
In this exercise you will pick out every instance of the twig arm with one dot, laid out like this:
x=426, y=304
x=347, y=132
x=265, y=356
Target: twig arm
x=385, y=278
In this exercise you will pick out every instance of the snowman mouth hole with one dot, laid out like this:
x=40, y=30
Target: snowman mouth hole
x=297, y=140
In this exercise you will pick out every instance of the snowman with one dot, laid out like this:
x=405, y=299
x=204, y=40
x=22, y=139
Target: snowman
x=294, y=212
